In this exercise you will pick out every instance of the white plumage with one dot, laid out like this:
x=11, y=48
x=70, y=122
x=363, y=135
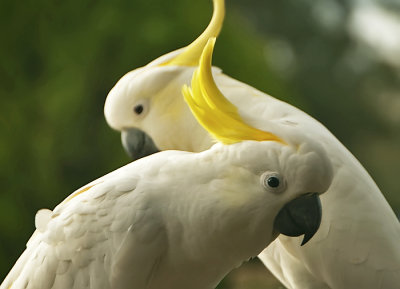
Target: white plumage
x=358, y=244
x=171, y=220
x=178, y=220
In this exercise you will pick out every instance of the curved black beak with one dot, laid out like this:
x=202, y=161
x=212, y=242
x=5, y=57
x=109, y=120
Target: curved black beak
x=137, y=143
x=300, y=216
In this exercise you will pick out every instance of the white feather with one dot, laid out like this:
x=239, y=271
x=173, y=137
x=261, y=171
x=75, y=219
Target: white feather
x=174, y=220
x=357, y=245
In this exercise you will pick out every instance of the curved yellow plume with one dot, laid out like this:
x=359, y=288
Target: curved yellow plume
x=191, y=54
x=213, y=111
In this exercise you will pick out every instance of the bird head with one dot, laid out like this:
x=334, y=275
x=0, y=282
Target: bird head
x=292, y=169
x=146, y=104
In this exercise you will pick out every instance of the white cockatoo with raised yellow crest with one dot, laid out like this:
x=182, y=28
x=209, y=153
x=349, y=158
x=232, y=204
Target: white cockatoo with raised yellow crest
x=358, y=244
x=179, y=220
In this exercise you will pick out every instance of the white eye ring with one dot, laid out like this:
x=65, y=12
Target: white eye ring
x=273, y=182
x=141, y=108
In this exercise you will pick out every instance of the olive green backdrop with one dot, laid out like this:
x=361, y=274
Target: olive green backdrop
x=59, y=59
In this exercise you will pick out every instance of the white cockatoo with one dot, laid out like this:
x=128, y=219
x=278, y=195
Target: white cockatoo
x=358, y=244
x=179, y=220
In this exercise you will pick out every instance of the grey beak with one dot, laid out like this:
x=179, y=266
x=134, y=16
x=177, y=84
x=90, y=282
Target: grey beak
x=300, y=216
x=137, y=143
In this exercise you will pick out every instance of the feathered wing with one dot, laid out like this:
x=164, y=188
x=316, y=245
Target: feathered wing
x=61, y=254
x=89, y=238
x=138, y=255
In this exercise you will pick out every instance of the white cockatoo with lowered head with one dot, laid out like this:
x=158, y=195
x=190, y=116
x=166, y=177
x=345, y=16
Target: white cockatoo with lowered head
x=178, y=220
x=358, y=244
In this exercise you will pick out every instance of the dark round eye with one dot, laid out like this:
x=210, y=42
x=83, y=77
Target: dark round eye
x=138, y=109
x=273, y=182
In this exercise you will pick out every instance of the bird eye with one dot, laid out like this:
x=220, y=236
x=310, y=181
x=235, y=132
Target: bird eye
x=141, y=108
x=138, y=109
x=272, y=182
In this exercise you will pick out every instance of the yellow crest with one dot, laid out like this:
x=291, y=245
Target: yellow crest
x=213, y=111
x=191, y=54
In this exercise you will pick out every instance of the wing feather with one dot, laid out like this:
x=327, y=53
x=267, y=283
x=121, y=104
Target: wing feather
x=96, y=237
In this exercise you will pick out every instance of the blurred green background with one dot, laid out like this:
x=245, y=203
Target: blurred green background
x=338, y=60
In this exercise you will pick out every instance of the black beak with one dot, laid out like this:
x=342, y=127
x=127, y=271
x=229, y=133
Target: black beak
x=300, y=216
x=137, y=143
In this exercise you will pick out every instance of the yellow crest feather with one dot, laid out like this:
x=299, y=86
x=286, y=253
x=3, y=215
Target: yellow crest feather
x=213, y=111
x=191, y=54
